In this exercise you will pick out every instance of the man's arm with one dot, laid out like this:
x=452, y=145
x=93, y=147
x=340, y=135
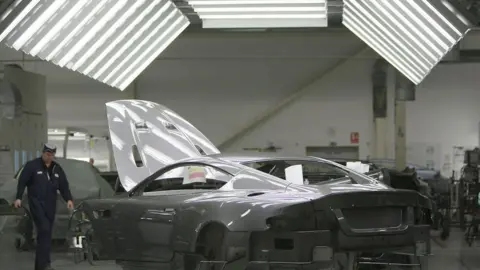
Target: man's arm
x=64, y=187
x=23, y=177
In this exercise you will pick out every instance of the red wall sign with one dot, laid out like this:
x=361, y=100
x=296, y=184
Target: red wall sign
x=354, y=138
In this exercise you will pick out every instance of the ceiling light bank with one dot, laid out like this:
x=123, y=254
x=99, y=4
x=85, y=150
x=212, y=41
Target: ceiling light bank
x=412, y=35
x=111, y=41
x=261, y=13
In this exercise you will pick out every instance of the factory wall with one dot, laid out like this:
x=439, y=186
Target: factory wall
x=445, y=115
x=22, y=133
x=221, y=89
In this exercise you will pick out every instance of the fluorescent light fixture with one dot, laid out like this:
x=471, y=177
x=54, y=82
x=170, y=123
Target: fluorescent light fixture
x=261, y=13
x=111, y=41
x=412, y=35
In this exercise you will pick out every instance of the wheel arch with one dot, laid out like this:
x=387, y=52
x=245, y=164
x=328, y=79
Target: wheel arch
x=203, y=229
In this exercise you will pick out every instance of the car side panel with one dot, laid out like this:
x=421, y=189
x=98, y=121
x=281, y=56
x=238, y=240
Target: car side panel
x=235, y=214
x=144, y=229
x=102, y=219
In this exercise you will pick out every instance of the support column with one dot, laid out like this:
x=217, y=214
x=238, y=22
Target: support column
x=400, y=136
x=379, y=83
x=404, y=92
x=131, y=92
x=381, y=128
x=65, y=142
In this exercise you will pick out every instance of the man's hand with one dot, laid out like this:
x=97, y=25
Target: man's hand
x=17, y=203
x=70, y=205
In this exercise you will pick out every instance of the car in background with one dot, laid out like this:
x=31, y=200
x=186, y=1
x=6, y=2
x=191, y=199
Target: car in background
x=438, y=183
x=85, y=183
x=112, y=178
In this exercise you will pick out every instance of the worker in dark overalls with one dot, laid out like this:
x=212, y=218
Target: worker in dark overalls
x=43, y=177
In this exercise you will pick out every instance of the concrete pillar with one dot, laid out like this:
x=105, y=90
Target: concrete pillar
x=381, y=142
x=400, y=135
x=132, y=91
x=404, y=92
x=379, y=98
x=65, y=143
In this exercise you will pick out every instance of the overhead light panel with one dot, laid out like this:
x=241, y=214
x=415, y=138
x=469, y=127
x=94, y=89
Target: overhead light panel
x=111, y=41
x=412, y=35
x=261, y=13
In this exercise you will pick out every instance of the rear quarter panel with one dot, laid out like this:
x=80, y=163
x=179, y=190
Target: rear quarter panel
x=235, y=213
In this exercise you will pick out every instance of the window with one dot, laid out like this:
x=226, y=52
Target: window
x=188, y=177
x=24, y=157
x=313, y=171
x=16, y=160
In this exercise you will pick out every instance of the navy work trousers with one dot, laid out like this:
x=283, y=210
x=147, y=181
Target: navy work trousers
x=44, y=225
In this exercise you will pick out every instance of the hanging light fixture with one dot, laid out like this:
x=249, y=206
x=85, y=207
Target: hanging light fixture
x=261, y=13
x=412, y=35
x=111, y=41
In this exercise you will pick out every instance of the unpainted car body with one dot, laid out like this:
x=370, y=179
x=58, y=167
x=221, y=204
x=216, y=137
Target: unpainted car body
x=438, y=183
x=254, y=213
x=182, y=200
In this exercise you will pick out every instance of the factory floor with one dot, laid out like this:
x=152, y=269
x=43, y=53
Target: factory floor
x=452, y=254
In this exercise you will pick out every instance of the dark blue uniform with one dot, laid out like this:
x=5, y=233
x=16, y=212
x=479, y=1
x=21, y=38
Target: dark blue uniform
x=42, y=184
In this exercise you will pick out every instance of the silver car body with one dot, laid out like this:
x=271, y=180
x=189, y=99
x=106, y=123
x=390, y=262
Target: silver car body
x=152, y=144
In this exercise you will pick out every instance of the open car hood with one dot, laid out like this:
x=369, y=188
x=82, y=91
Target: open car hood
x=147, y=136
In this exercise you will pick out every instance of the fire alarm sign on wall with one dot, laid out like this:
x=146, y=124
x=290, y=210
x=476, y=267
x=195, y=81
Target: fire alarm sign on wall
x=354, y=138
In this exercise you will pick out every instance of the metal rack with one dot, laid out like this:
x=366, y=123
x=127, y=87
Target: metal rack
x=469, y=206
x=464, y=196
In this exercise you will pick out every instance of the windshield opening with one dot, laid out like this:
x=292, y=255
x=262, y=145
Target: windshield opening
x=179, y=184
x=189, y=177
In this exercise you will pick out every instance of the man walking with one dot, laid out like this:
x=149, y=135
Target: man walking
x=43, y=177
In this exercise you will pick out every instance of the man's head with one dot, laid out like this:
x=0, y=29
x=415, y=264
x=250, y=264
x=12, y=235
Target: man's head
x=48, y=153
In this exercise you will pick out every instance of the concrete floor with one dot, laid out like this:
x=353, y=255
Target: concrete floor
x=449, y=255
x=10, y=258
